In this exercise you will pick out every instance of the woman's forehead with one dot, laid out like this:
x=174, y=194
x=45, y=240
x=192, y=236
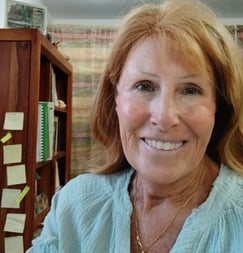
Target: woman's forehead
x=191, y=56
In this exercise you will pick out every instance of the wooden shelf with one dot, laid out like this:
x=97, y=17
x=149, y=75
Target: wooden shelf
x=39, y=219
x=28, y=60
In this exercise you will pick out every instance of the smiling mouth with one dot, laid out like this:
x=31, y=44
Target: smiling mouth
x=166, y=146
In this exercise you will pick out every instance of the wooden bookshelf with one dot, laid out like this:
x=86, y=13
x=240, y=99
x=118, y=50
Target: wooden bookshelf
x=27, y=62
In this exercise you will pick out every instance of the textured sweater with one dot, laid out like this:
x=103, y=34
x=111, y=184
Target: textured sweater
x=91, y=214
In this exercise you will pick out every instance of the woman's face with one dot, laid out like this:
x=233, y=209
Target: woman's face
x=166, y=113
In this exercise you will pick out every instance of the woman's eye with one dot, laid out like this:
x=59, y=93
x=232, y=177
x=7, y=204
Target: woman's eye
x=144, y=86
x=191, y=91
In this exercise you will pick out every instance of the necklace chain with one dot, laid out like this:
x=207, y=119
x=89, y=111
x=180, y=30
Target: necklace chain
x=138, y=238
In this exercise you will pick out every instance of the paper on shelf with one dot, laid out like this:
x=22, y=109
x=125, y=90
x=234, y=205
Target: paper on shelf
x=13, y=121
x=13, y=243
x=12, y=153
x=16, y=174
x=9, y=198
x=15, y=222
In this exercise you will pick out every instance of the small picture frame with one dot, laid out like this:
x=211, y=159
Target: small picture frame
x=26, y=15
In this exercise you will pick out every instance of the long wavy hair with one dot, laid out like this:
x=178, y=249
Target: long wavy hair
x=196, y=34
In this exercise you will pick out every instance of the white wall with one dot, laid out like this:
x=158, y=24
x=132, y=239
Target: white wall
x=3, y=9
x=233, y=21
x=108, y=22
x=117, y=22
x=88, y=22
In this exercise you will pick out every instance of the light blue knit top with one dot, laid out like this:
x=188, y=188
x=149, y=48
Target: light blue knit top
x=91, y=214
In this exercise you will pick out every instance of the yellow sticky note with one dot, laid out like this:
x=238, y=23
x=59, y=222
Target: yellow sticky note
x=7, y=137
x=22, y=194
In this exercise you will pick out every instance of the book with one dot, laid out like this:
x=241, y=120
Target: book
x=56, y=129
x=51, y=128
x=45, y=131
x=54, y=88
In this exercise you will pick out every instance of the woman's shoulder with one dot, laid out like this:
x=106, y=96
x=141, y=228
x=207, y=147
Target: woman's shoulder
x=88, y=195
x=94, y=183
x=230, y=185
x=222, y=211
x=226, y=193
x=224, y=200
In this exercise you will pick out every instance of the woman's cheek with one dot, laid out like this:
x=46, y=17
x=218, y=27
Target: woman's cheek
x=131, y=110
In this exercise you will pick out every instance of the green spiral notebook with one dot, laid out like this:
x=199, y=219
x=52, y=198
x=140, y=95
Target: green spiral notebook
x=45, y=130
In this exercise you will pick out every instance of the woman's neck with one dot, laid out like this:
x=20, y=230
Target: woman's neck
x=196, y=184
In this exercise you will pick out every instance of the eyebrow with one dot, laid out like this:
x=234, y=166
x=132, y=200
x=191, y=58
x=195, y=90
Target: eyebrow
x=149, y=73
x=188, y=76
x=156, y=76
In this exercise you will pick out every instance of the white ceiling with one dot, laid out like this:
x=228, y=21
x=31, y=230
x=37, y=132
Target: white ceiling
x=109, y=9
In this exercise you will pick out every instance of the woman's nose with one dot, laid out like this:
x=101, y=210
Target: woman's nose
x=164, y=112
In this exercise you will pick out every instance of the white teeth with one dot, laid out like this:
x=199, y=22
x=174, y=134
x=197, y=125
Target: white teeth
x=163, y=145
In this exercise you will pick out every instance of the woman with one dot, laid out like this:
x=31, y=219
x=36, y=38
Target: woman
x=168, y=113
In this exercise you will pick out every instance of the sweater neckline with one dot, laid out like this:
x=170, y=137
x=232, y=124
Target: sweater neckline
x=221, y=196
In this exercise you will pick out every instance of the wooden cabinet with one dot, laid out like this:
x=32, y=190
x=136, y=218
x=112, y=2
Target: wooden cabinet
x=27, y=61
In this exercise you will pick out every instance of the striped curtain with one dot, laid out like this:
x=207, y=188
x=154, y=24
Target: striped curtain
x=87, y=49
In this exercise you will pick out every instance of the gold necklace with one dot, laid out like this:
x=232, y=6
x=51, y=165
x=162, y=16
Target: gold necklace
x=138, y=239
